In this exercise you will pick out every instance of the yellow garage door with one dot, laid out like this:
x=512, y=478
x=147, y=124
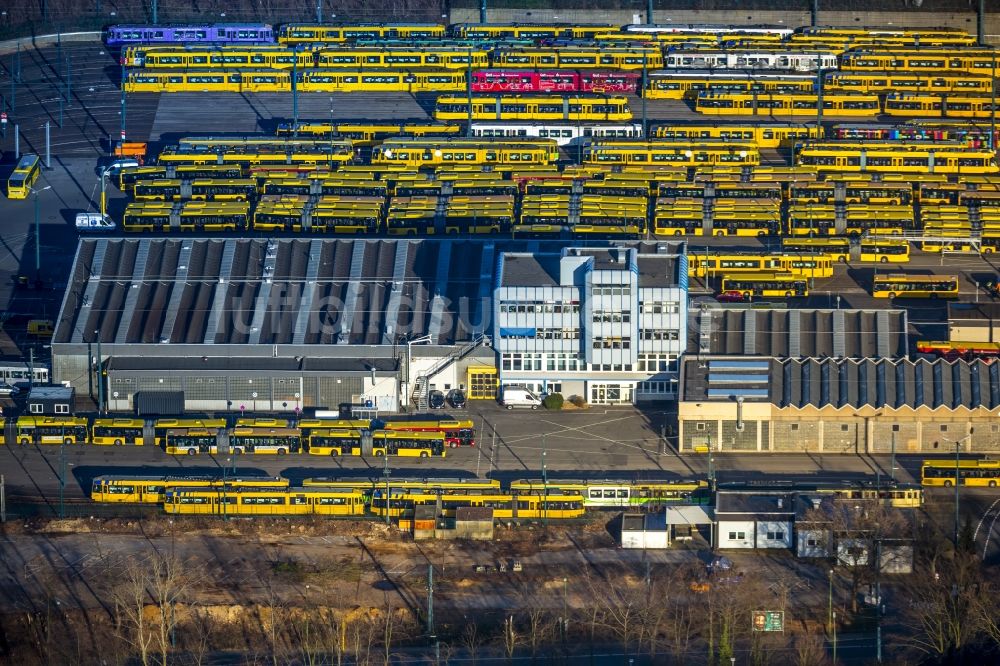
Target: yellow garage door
x=482, y=382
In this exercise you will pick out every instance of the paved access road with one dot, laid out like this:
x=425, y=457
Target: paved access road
x=620, y=442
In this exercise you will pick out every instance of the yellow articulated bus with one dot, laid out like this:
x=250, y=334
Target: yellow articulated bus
x=162, y=426
x=678, y=217
x=837, y=250
x=424, y=152
x=331, y=187
x=408, y=444
x=804, y=265
x=193, y=216
x=757, y=194
x=909, y=158
x=241, y=501
x=873, y=248
x=318, y=33
x=28, y=168
x=787, y=104
x=534, y=107
x=129, y=176
x=203, y=189
x=352, y=442
x=950, y=105
x=334, y=442
x=261, y=439
x=673, y=153
x=688, y=84
x=190, y=441
x=524, y=505
x=117, y=432
x=977, y=473
x=51, y=430
x=885, y=251
x=764, y=135
x=747, y=220
x=153, y=489
x=901, y=285
x=751, y=285
x=895, y=82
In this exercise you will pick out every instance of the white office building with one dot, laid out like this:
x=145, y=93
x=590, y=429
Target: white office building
x=606, y=324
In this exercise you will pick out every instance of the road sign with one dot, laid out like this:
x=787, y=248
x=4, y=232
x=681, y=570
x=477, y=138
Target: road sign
x=123, y=135
x=768, y=620
x=3, y=117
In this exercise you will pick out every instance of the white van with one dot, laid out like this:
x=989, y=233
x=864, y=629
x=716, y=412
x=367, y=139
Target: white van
x=94, y=222
x=518, y=396
x=115, y=168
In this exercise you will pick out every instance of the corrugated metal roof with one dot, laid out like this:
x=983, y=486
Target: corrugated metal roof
x=249, y=291
x=856, y=383
x=739, y=330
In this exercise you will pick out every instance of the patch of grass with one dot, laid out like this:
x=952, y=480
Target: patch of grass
x=290, y=569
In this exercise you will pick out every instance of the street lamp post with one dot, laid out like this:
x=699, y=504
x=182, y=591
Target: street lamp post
x=225, y=516
x=834, y=637
x=958, y=480
x=545, y=485
x=385, y=457
x=829, y=605
x=100, y=375
x=892, y=464
x=38, y=231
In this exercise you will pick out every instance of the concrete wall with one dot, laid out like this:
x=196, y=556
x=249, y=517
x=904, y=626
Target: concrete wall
x=768, y=429
x=644, y=539
x=965, y=21
x=819, y=547
x=765, y=527
x=744, y=530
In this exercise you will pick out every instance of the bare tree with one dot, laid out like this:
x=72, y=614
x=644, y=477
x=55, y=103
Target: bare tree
x=168, y=582
x=388, y=625
x=680, y=618
x=809, y=650
x=130, y=596
x=539, y=624
x=336, y=636
x=621, y=610
x=472, y=640
x=856, y=531
x=199, y=635
x=511, y=638
x=944, y=614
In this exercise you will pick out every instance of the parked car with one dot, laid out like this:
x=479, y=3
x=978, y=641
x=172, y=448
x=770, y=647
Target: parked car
x=456, y=398
x=436, y=400
x=116, y=167
x=730, y=297
x=8, y=390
